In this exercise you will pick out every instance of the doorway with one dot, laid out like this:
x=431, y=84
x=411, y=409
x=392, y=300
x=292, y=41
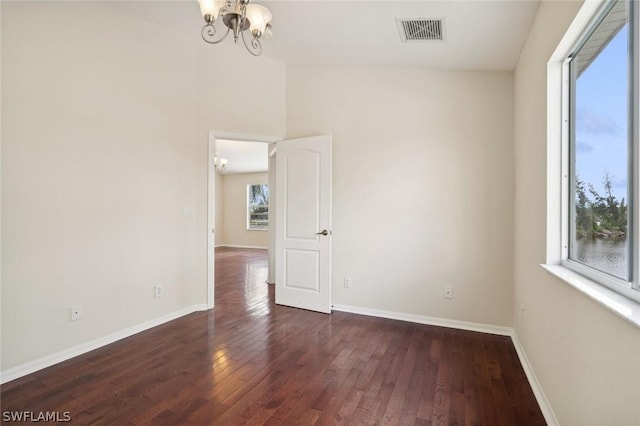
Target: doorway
x=233, y=164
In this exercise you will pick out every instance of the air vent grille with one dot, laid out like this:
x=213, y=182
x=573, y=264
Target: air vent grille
x=420, y=29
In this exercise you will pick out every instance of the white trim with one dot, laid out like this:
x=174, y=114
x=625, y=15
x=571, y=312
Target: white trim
x=543, y=402
x=558, y=183
x=421, y=319
x=271, y=268
x=557, y=177
x=211, y=246
x=49, y=360
x=211, y=218
x=613, y=301
x=635, y=151
x=243, y=247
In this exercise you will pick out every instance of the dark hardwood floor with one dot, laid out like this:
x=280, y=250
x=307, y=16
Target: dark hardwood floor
x=250, y=361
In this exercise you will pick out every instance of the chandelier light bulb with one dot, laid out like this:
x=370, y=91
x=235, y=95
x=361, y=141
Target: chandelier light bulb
x=211, y=8
x=245, y=20
x=219, y=163
x=258, y=16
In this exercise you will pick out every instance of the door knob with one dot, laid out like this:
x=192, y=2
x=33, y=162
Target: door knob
x=324, y=232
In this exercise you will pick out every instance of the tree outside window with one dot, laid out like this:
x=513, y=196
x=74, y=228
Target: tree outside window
x=258, y=206
x=601, y=120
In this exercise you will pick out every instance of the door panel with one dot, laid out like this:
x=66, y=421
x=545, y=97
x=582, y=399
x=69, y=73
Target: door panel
x=302, y=177
x=303, y=211
x=302, y=270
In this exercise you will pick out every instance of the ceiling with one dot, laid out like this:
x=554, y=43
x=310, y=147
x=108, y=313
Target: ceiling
x=479, y=35
x=243, y=157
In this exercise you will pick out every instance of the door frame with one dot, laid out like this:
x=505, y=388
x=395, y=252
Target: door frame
x=211, y=198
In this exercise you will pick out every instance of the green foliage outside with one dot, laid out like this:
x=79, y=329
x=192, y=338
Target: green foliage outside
x=259, y=194
x=258, y=206
x=599, y=215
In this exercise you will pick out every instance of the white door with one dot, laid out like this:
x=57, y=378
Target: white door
x=303, y=223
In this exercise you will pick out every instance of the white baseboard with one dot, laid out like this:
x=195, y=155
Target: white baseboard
x=421, y=319
x=243, y=247
x=543, y=402
x=545, y=406
x=48, y=361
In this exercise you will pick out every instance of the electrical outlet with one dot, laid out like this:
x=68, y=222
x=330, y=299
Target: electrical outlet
x=448, y=292
x=76, y=312
x=158, y=291
x=347, y=282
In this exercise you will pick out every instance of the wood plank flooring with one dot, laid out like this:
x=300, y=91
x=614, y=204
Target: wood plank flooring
x=251, y=362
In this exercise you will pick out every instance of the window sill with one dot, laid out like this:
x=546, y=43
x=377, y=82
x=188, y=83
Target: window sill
x=616, y=303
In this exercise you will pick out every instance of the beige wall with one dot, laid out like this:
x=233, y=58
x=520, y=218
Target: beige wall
x=104, y=142
x=422, y=185
x=586, y=358
x=234, y=211
x=104, y=139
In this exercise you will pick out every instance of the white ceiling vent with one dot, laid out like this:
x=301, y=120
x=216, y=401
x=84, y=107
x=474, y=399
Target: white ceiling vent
x=421, y=29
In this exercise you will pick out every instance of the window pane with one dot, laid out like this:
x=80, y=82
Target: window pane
x=258, y=208
x=600, y=143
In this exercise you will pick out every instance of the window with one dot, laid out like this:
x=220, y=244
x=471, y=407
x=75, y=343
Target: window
x=601, y=80
x=258, y=207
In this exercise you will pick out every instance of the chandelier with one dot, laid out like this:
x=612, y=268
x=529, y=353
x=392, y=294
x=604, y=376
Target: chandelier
x=238, y=16
x=219, y=163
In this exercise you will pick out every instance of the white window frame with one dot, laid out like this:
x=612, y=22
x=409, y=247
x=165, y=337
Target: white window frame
x=628, y=288
x=249, y=205
x=618, y=295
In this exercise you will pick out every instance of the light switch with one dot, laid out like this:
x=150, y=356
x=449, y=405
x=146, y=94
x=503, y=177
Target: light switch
x=188, y=212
